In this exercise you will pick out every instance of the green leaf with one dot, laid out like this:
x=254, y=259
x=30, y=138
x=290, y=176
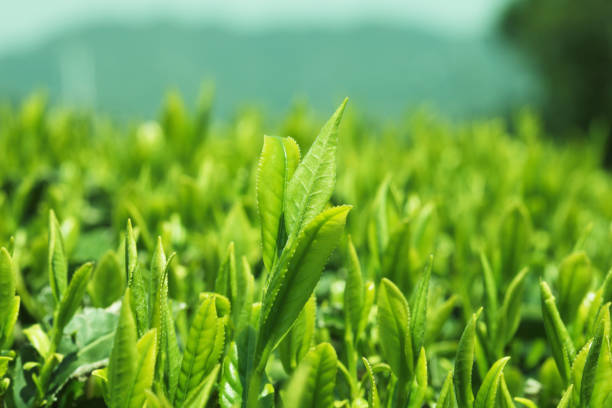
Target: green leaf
x=446, y=399
x=464, y=362
x=245, y=292
x=419, y=310
x=563, y=350
x=202, y=350
x=71, y=300
x=578, y=366
x=596, y=386
x=145, y=369
x=368, y=300
x=488, y=390
x=607, y=288
x=296, y=343
x=136, y=282
x=155, y=280
x=38, y=339
x=131, y=252
x=602, y=387
x=312, y=184
x=277, y=163
x=296, y=275
x=510, y=310
x=437, y=317
x=566, y=400
x=490, y=292
x=373, y=399
x=226, y=276
x=230, y=387
x=514, y=238
x=6, y=339
x=419, y=386
x=526, y=402
x=589, y=371
x=394, y=329
x=123, y=361
x=395, y=261
x=314, y=381
x=93, y=331
x=353, y=291
x=575, y=276
x=200, y=395
x=168, y=354
x=108, y=281
x=7, y=285
x=58, y=264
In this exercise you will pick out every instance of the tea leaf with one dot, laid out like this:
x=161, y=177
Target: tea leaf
x=145, y=369
x=71, y=300
x=373, y=400
x=419, y=308
x=353, y=291
x=296, y=343
x=575, y=277
x=488, y=390
x=562, y=346
x=108, y=281
x=297, y=274
x=277, y=163
x=313, y=383
x=394, y=329
x=446, y=399
x=123, y=361
x=312, y=184
x=202, y=350
x=200, y=395
x=58, y=264
x=464, y=362
x=230, y=387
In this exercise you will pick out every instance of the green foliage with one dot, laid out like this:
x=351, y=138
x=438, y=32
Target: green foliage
x=276, y=297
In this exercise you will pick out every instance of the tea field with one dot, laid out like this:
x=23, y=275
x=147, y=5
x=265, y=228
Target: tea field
x=183, y=262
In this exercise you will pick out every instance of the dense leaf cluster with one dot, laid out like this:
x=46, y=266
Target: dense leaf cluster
x=179, y=263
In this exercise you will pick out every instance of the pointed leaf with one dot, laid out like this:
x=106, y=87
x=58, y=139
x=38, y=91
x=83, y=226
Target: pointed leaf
x=312, y=184
x=511, y=310
x=446, y=399
x=71, y=300
x=200, y=395
x=394, y=329
x=419, y=310
x=58, y=264
x=108, y=281
x=123, y=361
x=464, y=361
x=297, y=342
x=202, y=350
x=488, y=390
x=145, y=369
x=575, y=276
x=296, y=275
x=560, y=342
x=277, y=163
x=7, y=284
x=314, y=381
x=354, y=290
x=230, y=386
x=373, y=399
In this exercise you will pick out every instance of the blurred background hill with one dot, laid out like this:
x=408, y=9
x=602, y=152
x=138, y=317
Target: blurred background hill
x=120, y=58
x=474, y=58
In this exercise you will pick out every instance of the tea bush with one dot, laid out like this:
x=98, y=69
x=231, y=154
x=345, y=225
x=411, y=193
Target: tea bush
x=184, y=263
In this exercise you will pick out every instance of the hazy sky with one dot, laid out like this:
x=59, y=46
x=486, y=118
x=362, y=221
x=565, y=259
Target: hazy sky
x=26, y=21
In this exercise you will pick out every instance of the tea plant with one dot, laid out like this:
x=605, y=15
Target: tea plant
x=184, y=264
